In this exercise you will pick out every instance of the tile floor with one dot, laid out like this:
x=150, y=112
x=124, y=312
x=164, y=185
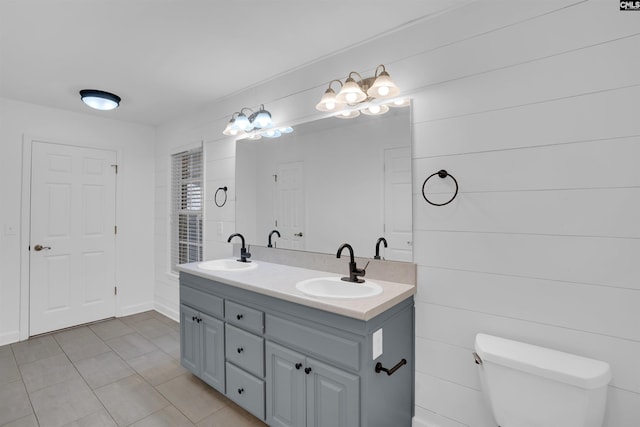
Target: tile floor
x=119, y=372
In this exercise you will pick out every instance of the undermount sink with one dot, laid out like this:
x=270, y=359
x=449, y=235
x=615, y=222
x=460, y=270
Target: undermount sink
x=227, y=265
x=334, y=287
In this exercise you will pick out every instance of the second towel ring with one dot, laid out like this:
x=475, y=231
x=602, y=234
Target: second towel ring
x=215, y=197
x=442, y=174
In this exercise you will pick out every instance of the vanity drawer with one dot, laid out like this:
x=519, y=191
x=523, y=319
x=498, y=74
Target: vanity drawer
x=244, y=349
x=246, y=390
x=199, y=300
x=333, y=348
x=243, y=316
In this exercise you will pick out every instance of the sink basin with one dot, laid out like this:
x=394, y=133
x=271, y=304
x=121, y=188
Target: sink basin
x=227, y=265
x=334, y=287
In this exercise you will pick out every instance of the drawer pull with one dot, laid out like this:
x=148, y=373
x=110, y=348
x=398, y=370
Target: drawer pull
x=307, y=371
x=240, y=350
x=298, y=366
x=240, y=390
x=240, y=316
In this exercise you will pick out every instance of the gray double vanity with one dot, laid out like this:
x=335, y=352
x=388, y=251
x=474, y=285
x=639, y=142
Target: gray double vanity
x=298, y=346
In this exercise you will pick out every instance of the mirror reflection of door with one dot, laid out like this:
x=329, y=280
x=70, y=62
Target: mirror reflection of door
x=72, y=257
x=290, y=205
x=397, y=196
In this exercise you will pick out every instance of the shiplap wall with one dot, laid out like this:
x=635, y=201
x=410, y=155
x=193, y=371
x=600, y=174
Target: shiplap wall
x=533, y=107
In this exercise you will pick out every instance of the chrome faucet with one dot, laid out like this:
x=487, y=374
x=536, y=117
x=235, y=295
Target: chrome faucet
x=354, y=271
x=271, y=234
x=383, y=240
x=243, y=250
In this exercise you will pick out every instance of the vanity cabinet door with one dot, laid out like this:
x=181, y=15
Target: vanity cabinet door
x=286, y=403
x=212, y=367
x=333, y=396
x=190, y=340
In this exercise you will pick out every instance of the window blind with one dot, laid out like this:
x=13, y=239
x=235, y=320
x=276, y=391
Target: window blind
x=186, y=207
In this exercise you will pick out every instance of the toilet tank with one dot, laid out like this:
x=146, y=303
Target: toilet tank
x=532, y=386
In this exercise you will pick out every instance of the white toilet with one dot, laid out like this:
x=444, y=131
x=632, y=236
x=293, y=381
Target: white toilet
x=531, y=386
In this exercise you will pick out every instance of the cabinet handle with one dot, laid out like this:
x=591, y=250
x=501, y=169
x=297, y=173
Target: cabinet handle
x=194, y=318
x=307, y=371
x=240, y=390
x=239, y=316
x=298, y=366
x=240, y=350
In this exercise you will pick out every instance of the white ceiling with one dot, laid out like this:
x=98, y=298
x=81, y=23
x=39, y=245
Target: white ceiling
x=167, y=58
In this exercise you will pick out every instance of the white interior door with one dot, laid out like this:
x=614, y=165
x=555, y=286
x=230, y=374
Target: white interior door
x=397, y=200
x=290, y=209
x=72, y=240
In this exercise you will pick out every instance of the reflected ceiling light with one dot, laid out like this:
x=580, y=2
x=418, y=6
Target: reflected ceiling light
x=287, y=129
x=401, y=102
x=348, y=114
x=375, y=110
x=354, y=92
x=99, y=99
x=271, y=133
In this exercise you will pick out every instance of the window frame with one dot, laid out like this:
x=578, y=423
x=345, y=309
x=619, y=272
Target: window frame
x=186, y=207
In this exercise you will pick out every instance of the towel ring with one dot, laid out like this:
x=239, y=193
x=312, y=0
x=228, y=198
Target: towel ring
x=215, y=197
x=442, y=174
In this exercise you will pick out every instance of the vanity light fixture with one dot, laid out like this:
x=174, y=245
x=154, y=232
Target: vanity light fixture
x=247, y=120
x=253, y=125
x=99, y=99
x=353, y=92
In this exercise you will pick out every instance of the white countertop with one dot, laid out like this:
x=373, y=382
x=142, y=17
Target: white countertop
x=279, y=281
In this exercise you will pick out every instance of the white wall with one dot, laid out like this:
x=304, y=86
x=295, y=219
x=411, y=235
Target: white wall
x=134, y=244
x=533, y=108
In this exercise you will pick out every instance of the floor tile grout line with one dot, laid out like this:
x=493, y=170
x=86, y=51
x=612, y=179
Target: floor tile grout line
x=84, y=379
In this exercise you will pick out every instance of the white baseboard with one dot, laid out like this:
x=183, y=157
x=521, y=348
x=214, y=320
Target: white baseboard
x=9, y=337
x=135, y=309
x=167, y=311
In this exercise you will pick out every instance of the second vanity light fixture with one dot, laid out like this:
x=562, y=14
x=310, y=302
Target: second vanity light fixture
x=253, y=124
x=366, y=90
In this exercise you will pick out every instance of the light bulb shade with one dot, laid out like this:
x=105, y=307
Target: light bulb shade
x=375, y=110
x=99, y=99
x=261, y=119
x=231, y=129
x=348, y=114
x=351, y=92
x=242, y=123
x=328, y=102
x=383, y=87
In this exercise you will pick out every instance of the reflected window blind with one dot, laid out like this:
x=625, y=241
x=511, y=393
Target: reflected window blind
x=186, y=207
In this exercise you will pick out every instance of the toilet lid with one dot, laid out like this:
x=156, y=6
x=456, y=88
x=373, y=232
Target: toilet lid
x=545, y=362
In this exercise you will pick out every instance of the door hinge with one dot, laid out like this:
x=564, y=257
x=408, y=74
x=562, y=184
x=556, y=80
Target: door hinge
x=115, y=290
x=115, y=229
x=115, y=166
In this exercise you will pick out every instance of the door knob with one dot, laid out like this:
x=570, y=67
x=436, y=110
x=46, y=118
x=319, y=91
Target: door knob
x=298, y=234
x=39, y=248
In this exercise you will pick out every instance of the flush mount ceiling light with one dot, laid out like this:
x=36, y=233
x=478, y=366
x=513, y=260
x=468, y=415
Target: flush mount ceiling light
x=353, y=92
x=99, y=99
x=253, y=125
